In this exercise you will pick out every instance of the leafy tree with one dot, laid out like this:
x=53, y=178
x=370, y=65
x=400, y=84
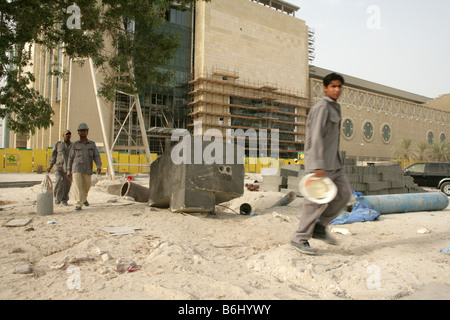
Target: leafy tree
x=133, y=61
x=403, y=149
x=421, y=151
x=439, y=151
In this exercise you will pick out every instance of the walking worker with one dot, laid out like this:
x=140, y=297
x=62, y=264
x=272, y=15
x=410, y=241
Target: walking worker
x=80, y=165
x=60, y=155
x=322, y=158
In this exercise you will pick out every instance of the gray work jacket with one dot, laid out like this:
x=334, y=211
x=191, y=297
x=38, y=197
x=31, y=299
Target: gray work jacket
x=322, y=136
x=81, y=158
x=59, y=156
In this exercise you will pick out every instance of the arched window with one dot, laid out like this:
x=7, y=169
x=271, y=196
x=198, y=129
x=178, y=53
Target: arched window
x=348, y=128
x=386, y=133
x=430, y=138
x=368, y=130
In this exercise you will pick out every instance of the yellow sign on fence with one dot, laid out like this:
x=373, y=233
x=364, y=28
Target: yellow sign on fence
x=12, y=160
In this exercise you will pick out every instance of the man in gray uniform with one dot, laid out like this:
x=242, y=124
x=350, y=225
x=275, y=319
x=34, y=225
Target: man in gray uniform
x=59, y=157
x=322, y=158
x=80, y=165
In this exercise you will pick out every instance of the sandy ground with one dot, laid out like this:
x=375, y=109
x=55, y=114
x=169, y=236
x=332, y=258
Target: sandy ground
x=221, y=256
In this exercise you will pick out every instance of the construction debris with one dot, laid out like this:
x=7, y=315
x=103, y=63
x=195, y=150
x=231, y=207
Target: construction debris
x=17, y=223
x=190, y=187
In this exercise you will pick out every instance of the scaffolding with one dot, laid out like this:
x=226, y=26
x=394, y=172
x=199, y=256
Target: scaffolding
x=220, y=100
x=160, y=117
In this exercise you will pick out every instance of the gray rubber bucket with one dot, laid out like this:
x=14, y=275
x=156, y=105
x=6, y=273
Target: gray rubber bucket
x=45, y=203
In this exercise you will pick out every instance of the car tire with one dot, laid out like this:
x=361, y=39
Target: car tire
x=445, y=188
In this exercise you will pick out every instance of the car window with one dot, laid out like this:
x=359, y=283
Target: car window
x=417, y=168
x=447, y=168
x=434, y=168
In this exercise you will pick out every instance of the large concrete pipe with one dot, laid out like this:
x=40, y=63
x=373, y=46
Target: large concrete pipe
x=136, y=191
x=288, y=198
x=409, y=202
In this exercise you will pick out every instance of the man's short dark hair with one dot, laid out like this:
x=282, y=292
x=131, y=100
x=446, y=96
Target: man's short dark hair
x=331, y=77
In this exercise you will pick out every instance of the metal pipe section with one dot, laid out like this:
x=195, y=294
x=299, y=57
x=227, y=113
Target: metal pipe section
x=288, y=198
x=136, y=191
x=409, y=202
x=102, y=123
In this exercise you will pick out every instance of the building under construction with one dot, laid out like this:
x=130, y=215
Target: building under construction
x=210, y=91
x=221, y=101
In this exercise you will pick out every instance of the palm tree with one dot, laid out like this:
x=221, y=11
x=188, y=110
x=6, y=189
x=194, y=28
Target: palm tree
x=403, y=149
x=421, y=151
x=439, y=151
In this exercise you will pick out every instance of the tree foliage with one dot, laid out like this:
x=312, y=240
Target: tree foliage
x=129, y=59
x=438, y=151
x=403, y=149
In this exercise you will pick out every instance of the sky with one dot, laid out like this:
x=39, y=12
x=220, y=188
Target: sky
x=404, y=44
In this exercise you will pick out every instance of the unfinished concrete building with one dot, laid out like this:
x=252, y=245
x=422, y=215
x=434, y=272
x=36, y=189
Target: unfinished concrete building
x=221, y=101
x=249, y=71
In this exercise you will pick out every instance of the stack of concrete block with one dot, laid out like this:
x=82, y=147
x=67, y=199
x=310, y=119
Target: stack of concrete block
x=284, y=179
x=380, y=179
x=375, y=179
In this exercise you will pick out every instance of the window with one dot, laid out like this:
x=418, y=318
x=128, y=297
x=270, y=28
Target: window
x=435, y=168
x=430, y=138
x=159, y=99
x=386, y=133
x=59, y=78
x=417, y=168
x=443, y=137
x=368, y=130
x=347, y=128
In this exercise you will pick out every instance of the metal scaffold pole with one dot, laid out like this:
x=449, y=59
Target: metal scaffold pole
x=143, y=131
x=102, y=123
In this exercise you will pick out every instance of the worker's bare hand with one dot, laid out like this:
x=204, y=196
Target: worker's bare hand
x=320, y=173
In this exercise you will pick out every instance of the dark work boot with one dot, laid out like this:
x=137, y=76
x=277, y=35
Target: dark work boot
x=320, y=233
x=303, y=247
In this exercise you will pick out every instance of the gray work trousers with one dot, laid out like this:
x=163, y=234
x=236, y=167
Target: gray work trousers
x=62, y=186
x=323, y=214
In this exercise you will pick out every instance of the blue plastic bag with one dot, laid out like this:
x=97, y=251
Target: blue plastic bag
x=360, y=213
x=357, y=215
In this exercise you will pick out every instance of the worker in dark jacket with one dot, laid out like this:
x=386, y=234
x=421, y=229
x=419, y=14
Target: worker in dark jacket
x=59, y=157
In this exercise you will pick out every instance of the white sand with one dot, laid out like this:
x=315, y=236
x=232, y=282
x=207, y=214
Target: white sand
x=220, y=256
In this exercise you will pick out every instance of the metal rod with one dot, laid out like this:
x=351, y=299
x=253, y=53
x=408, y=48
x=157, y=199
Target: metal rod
x=102, y=123
x=143, y=131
